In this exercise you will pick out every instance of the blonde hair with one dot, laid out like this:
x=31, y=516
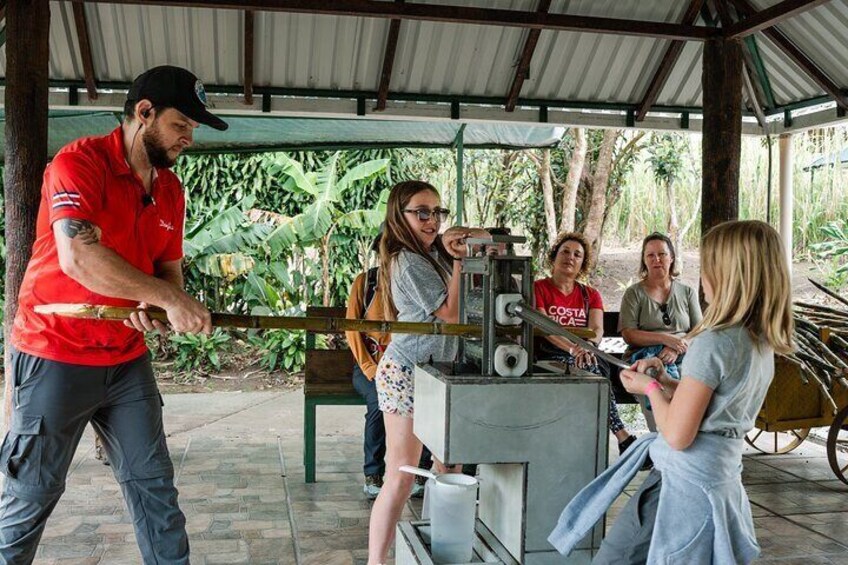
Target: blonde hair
x=398, y=236
x=744, y=264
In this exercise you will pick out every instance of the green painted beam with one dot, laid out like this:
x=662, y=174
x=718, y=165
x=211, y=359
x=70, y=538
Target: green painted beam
x=760, y=68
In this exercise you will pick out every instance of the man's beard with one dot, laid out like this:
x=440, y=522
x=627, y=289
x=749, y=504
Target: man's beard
x=156, y=153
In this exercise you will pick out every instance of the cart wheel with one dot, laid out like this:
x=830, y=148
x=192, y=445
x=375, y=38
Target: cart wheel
x=837, y=445
x=776, y=443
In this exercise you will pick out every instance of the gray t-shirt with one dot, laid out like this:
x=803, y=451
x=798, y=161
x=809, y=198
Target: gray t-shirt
x=739, y=373
x=418, y=291
x=641, y=312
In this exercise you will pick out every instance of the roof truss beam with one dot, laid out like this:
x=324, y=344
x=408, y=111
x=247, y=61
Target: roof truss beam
x=672, y=53
x=798, y=57
x=81, y=25
x=524, y=61
x=388, y=62
x=770, y=17
x=450, y=14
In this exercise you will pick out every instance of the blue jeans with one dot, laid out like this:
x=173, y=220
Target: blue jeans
x=673, y=369
x=375, y=432
x=374, y=447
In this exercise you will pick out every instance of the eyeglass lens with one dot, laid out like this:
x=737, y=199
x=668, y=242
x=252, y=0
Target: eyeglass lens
x=424, y=214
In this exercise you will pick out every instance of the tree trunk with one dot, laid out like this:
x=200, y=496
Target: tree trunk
x=572, y=182
x=673, y=222
x=544, y=166
x=682, y=235
x=598, y=201
x=500, y=204
x=722, y=132
x=27, y=55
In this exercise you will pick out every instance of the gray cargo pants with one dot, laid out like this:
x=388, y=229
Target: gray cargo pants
x=52, y=404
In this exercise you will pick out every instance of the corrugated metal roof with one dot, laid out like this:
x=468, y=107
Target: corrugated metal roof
x=343, y=53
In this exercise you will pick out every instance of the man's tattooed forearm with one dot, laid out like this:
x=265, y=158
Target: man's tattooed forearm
x=87, y=232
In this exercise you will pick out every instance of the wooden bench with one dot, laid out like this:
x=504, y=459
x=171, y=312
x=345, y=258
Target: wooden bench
x=328, y=380
x=611, y=331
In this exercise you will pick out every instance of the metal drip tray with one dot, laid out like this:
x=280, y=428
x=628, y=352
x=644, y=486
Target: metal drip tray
x=415, y=546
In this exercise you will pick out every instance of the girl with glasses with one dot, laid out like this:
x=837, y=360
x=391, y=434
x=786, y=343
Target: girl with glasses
x=423, y=269
x=693, y=508
x=659, y=310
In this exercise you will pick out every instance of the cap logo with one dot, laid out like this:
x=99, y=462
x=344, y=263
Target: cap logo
x=201, y=93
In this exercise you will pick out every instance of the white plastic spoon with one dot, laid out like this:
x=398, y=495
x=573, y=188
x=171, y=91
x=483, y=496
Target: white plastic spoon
x=417, y=471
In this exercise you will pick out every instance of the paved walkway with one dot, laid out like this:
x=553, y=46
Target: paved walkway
x=240, y=475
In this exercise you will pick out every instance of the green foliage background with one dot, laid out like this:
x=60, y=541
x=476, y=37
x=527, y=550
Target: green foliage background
x=283, y=275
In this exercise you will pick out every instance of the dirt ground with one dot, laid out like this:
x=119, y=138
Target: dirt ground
x=618, y=268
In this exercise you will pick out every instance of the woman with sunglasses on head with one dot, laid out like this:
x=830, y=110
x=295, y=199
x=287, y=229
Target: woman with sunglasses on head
x=693, y=508
x=423, y=269
x=658, y=311
x=564, y=299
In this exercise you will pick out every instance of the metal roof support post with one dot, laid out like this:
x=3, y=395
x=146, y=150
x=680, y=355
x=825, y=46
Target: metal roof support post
x=460, y=190
x=787, y=158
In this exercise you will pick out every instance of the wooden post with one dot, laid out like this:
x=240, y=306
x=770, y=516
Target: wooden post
x=722, y=133
x=27, y=52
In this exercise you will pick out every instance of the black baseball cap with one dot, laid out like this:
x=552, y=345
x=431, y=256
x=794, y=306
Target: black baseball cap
x=176, y=88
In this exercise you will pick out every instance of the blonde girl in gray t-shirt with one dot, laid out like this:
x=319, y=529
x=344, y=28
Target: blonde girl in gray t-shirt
x=424, y=272
x=693, y=506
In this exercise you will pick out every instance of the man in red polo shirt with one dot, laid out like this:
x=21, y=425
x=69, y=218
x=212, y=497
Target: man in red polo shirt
x=109, y=231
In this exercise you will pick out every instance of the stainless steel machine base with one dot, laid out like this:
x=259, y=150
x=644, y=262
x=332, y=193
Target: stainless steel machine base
x=537, y=440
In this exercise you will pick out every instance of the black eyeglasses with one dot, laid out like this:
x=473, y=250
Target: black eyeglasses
x=441, y=214
x=666, y=318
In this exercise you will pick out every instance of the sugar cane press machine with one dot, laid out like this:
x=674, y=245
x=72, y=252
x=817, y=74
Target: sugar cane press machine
x=537, y=432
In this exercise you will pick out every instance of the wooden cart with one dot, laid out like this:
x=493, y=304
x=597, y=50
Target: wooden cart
x=791, y=408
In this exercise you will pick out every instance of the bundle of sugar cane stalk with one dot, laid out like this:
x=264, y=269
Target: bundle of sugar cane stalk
x=821, y=336
x=312, y=324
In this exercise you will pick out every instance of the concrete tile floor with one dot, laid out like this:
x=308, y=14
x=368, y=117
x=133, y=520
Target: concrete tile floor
x=239, y=470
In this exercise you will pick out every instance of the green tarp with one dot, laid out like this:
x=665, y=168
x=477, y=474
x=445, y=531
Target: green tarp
x=260, y=133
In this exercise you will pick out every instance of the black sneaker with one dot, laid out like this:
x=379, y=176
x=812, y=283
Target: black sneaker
x=418, y=487
x=623, y=445
x=373, y=484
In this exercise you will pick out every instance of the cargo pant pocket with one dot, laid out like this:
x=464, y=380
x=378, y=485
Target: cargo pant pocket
x=21, y=453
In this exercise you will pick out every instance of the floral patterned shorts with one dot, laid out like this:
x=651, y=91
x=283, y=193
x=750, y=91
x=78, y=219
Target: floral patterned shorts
x=395, y=387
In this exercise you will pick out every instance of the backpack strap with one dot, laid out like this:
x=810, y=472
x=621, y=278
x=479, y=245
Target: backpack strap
x=585, y=293
x=371, y=279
